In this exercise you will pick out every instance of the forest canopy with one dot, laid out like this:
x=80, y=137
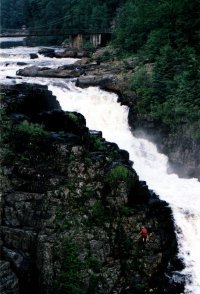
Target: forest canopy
x=165, y=34
x=58, y=14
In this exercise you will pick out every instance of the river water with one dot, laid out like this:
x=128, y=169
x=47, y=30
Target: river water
x=104, y=113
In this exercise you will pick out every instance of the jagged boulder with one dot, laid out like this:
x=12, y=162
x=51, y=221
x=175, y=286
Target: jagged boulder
x=34, y=71
x=107, y=82
x=33, y=56
x=25, y=100
x=47, y=52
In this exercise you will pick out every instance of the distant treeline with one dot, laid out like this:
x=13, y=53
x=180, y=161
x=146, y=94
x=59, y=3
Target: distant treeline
x=59, y=14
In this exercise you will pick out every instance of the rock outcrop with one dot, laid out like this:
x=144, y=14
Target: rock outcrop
x=65, y=53
x=64, y=71
x=72, y=206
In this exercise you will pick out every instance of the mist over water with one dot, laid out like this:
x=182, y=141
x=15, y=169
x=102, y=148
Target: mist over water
x=104, y=113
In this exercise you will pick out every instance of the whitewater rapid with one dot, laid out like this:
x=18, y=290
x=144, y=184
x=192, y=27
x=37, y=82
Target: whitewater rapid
x=104, y=113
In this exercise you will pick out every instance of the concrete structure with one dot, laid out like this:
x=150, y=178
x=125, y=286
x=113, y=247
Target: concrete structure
x=76, y=38
x=95, y=39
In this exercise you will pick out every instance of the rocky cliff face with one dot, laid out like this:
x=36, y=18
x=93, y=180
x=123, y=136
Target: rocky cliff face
x=72, y=205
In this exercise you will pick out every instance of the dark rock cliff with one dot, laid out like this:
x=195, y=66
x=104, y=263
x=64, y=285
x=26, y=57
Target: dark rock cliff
x=72, y=206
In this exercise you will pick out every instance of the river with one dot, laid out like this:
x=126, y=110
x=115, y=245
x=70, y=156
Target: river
x=104, y=113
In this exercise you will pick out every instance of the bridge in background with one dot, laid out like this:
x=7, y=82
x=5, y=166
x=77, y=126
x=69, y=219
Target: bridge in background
x=76, y=36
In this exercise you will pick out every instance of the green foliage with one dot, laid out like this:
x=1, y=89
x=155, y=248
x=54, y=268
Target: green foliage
x=93, y=263
x=5, y=127
x=62, y=221
x=123, y=242
x=125, y=211
x=23, y=142
x=141, y=83
x=7, y=156
x=106, y=56
x=12, y=13
x=165, y=33
x=96, y=144
x=118, y=174
x=153, y=24
x=170, y=92
x=29, y=130
x=71, y=183
x=69, y=279
x=98, y=213
x=140, y=288
x=60, y=15
x=93, y=284
x=24, y=159
x=89, y=192
x=87, y=45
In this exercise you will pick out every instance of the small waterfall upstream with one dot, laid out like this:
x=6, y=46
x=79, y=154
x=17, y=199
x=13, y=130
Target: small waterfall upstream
x=104, y=113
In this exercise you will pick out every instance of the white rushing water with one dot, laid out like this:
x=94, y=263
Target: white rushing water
x=104, y=113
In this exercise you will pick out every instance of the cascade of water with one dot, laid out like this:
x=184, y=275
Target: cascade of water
x=103, y=112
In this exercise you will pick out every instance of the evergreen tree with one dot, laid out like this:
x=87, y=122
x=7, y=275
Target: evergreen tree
x=12, y=14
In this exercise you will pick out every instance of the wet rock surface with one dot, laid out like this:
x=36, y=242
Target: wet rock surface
x=72, y=206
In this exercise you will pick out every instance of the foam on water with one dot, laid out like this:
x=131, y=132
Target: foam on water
x=10, y=57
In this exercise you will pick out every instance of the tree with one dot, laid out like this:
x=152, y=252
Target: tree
x=12, y=14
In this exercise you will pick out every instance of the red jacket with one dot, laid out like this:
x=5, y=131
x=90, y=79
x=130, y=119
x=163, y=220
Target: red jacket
x=143, y=232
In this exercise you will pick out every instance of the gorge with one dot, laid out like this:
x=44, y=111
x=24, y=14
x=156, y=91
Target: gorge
x=132, y=205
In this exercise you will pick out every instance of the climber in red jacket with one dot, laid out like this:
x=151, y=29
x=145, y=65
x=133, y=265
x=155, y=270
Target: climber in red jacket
x=143, y=234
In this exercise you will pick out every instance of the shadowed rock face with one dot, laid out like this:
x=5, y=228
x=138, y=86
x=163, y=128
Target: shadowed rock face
x=9, y=281
x=182, y=150
x=72, y=206
x=26, y=100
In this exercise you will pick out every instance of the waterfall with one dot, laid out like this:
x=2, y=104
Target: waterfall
x=104, y=113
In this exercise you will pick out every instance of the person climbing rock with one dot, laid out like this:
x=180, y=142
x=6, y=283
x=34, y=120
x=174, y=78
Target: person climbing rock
x=150, y=231
x=143, y=234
